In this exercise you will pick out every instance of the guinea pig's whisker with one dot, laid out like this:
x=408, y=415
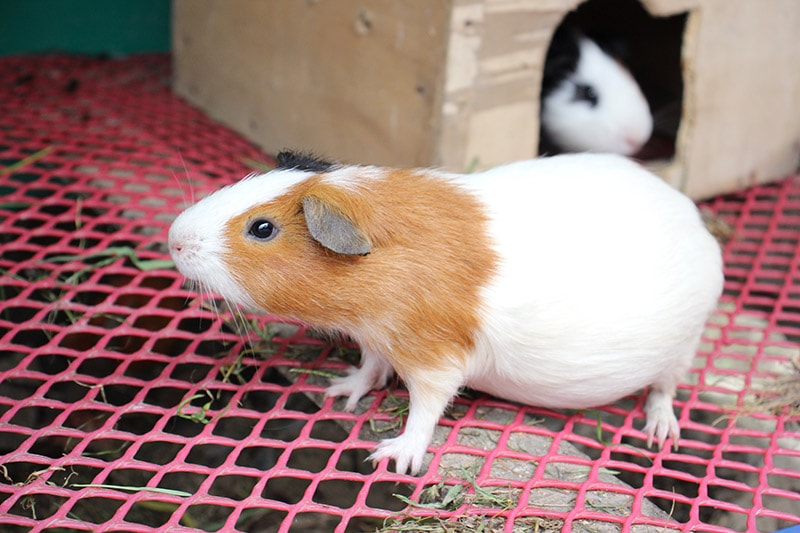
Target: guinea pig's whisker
x=207, y=301
x=188, y=182
x=238, y=320
x=246, y=331
x=221, y=307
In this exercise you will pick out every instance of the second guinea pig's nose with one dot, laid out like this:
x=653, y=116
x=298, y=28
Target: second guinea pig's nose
x=633, y=143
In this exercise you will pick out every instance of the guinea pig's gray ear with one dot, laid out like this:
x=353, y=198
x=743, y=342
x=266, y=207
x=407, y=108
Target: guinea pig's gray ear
x=332, y=229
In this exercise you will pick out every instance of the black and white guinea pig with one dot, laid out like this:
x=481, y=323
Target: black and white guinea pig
x=563, y=282
x=589, y=101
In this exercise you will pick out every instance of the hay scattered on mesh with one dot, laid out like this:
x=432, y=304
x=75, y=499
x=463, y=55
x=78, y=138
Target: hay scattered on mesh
x=718, y=227
x=780, y=395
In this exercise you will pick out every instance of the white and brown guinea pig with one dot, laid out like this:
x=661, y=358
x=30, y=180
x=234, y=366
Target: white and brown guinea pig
x=563, y=282
x=590, y=102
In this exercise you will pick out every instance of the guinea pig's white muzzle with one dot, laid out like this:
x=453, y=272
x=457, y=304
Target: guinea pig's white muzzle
x=198, y=253
x=185, y=249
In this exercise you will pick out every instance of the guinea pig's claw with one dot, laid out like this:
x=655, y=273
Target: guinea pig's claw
x=373, y=374
x=659, y=428
x=352, y=386
x=661, y=421
x=407, y=454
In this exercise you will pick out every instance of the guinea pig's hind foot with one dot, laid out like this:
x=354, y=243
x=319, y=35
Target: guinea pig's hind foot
x=373, y=374
x=661, y=420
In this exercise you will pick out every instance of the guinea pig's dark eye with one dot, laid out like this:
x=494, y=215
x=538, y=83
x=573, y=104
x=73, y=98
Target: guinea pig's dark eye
x=586, y=93
x=263, y=229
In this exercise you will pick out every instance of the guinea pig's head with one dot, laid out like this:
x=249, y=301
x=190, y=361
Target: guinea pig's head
x=595, y=106
x=270, y=240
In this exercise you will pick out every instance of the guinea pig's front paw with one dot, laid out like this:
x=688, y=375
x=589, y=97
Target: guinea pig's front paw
x=373, y=374
x=354, y=386
x=406, y=452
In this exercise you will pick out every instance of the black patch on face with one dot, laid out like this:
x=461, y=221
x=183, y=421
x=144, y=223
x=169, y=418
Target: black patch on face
x=562, y=58
x=292, y=160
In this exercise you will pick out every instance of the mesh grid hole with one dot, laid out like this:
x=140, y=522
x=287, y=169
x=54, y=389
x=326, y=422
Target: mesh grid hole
x=354, y=460
x=185, y=481
x=151, y=322
x=97, y=367
x=182, y=426
x=92, y=298
x=9, y=359
x=173, y=346
x=137, y=423
x=37, y=506
x=18, y=388
x=237, y=428
x=126, y=344
x=50, y=364
x=95, y=510
x=119, y=395
x=286, y=489
x=169, y=397
x=380, y=495
x=82, y=342
x=259, y=458
x=87, y=419
x=11, y=440
x=106, y=449
x=234, y=486
x=211, y=455
x=19, y=315
x=304, y=521
x=66, y=391
x=156, y=282
x=146, y=371
x=150, y=512
x=158, y=452
x=310, y=459
x=35, y=338
x=253, y=518
x=133, y=300
x=337, y=493
x=285, y=429
x=53, y=446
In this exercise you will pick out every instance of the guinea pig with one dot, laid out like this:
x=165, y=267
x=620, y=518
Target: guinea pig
x=563, y=282
x=589, y=101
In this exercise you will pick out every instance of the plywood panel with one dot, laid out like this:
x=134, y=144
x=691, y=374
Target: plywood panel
x=356, y=80
x=743, y=119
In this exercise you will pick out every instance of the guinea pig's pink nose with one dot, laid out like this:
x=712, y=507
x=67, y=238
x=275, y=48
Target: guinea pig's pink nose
x=176, y=238
x=633, y=143
x=176, y=247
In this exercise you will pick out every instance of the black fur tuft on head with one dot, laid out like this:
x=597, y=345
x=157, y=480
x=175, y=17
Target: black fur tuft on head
x=562, y=58
x=564, y=53
x=289, y=159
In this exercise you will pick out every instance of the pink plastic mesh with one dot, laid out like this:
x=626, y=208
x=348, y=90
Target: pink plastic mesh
x=114, y=375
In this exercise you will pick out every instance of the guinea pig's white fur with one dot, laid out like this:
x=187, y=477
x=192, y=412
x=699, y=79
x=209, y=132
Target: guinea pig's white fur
x=564, y=282
x=619, y=123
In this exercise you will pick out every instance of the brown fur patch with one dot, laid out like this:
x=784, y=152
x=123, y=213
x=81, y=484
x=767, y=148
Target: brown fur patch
x=414, y=298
